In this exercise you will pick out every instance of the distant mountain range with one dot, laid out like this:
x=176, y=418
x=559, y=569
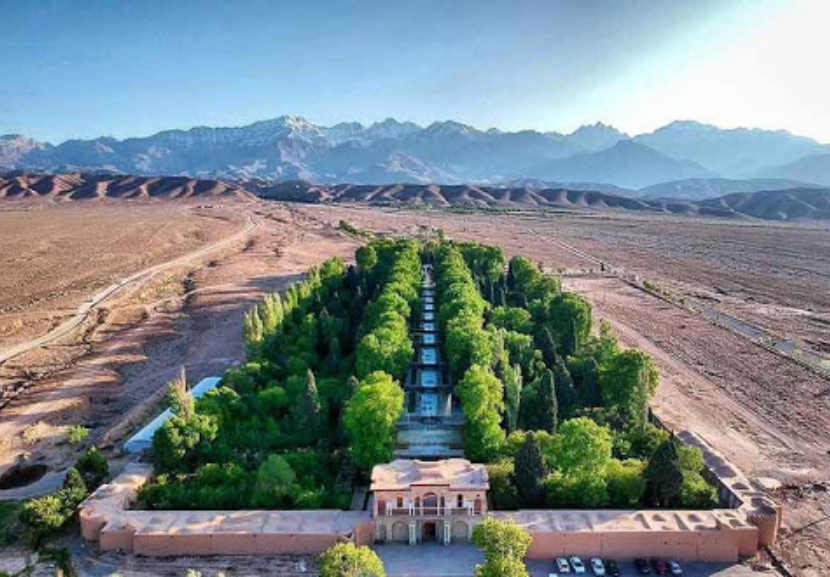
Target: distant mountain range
x=791, y=204
x=706, y=160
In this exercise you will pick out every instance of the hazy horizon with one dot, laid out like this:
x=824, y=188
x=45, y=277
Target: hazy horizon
x=405, y=121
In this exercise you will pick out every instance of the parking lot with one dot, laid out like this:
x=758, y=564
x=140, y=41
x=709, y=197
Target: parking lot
x=458, y=560
x=548, y=568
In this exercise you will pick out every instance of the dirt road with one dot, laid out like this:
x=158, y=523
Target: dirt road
x=95, y=301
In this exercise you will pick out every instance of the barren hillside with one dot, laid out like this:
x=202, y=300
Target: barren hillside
x=77, y=186
x=795, y=204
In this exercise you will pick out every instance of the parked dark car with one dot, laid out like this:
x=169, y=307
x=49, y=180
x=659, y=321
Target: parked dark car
x=660, y=567
x=612, y=568
x=643, y=567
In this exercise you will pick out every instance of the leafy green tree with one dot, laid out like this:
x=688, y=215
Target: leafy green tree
x=639, y=442
x=387, y=348
x=502, y=485
x=628, y=381
x=482, y=402
x=583, y=448
x=626, y=482
x=175, y=443
x=44, y=515
x=664, y=474
x=570, y=321
x=366, y=258
x=348, y=560
x=512, y=319
x=274, y=478
x=93, y=467
x=74, y=482
x=504, y=544
x=564, y=490
x=527, y=283
x=370, y=419
x=529, y=472
x=607, y=347
x=501, y=567
x=695, y=492
x=500, y=540
x=467, y=343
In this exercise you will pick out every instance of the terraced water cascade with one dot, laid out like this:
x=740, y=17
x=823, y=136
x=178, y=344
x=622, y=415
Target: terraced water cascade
x=430, y=427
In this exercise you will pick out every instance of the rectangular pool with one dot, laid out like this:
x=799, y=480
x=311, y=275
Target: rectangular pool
x=428, y=378
x=428, y=356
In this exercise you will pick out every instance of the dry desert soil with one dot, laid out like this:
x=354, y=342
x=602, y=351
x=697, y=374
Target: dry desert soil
x=768, y=414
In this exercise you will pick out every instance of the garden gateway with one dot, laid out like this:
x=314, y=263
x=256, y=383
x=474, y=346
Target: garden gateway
x=456, y=387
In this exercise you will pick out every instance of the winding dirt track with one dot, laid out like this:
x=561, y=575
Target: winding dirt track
x=95, y=301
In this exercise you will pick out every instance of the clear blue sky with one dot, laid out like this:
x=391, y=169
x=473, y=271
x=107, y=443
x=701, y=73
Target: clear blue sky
x=122, y=68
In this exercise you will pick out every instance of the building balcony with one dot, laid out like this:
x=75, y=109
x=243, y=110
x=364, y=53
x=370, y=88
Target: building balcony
x=429, y=511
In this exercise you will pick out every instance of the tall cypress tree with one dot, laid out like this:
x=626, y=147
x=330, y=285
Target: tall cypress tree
x=565, y=392
x=528, y=472
x=271, y=313
x=309, y=416
x=591, y=391
x=547, y=344
x=664, y=474
x=512, y=397
x=548, y=405
x=539, y=408
x=252, y=331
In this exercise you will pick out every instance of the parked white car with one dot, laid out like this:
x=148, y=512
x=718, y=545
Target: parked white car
x=578, y=565
x=562, y=565
x=597, y=566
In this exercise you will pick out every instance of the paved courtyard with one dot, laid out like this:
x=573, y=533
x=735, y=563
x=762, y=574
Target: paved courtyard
x=429, y=559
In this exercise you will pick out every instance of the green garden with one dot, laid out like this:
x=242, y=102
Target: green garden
x=559, y=414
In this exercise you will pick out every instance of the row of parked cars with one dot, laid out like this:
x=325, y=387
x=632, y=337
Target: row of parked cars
x=612, y=568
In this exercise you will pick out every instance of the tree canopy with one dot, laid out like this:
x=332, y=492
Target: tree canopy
x=349, y=560
x=370, y=419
